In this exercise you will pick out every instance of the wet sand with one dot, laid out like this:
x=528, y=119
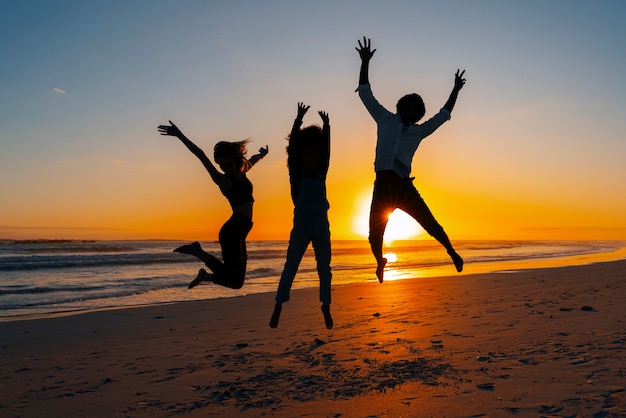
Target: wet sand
x=543, y=342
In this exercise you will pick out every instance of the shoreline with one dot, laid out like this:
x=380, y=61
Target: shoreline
x=402, y=273
x=551, y=342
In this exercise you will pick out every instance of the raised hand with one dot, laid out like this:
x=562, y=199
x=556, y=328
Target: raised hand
x=263, y=151
x=302, y=109
x=324, y=117
x=364, y=50
x=459, y=81
x=171, y=129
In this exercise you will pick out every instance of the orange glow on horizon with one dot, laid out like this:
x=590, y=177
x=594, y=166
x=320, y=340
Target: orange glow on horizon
x=186, y=214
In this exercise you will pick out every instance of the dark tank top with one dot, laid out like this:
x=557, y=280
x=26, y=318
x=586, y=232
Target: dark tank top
x=239, y=192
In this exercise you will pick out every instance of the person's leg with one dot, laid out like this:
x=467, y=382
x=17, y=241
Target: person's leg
x=232, y=238
x=196, y=250
x=202, y=276
x=276, y=315
x=383, y=203
x=298, y=242
x=192, y=249
x=413, y=204
x=209, y=260
x=323, y=253
x=237, y=267
x=328, y=319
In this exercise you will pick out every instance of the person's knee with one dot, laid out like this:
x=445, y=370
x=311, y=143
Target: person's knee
x=237, y=284
x=234, y=278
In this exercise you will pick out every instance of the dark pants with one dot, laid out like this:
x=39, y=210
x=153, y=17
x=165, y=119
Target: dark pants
x=231, y=271
x=393, y=192
x=307, y=229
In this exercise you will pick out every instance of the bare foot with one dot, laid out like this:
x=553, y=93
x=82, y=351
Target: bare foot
x=457, y=260
x=380, y=270
x=192, y=249
x=276, y=315
x=328, y=320
x=203, y=276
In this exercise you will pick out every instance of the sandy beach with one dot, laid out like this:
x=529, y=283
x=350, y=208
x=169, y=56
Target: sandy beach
x=545, y=342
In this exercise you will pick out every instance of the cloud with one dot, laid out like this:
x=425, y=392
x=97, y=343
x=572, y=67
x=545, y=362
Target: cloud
x=58, y=90
x=117, y=162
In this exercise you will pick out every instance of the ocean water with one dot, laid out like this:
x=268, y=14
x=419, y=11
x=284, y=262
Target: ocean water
x=52, y=277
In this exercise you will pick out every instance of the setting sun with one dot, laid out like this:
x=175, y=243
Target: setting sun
x=400, y=227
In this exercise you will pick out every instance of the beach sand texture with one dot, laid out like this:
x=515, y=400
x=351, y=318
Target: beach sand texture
x=546, y=342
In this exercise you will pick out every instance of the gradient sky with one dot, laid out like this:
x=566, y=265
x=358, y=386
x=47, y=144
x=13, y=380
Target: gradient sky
x=535, y=148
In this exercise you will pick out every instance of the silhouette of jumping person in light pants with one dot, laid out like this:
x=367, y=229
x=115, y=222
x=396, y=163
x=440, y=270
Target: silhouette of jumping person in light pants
x=235, y=186
x=398, y=137
x=308, y=155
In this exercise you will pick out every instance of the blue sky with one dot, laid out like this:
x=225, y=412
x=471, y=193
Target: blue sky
x=538, y=132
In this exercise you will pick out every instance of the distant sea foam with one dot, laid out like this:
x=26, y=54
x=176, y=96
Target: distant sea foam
x=48, y=277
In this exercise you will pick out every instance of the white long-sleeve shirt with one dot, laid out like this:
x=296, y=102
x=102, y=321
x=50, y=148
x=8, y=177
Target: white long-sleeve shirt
x=396, y=144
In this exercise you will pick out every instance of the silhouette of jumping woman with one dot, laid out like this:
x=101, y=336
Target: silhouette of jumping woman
x=235, y=186
x=398, y=137
x=308, y=156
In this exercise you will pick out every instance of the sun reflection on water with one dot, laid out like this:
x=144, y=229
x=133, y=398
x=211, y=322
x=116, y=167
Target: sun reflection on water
x=391, y=258
x=391, y=272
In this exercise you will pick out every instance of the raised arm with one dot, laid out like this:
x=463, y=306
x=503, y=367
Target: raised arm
x=302, y=109
x=326, y=132
x=459, y=82
x=258, y=157
x=294, y=147
x=366, y=54
x=172, y=130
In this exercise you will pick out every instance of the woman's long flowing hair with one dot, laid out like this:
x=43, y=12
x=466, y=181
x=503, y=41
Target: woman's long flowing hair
x=235, y=150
